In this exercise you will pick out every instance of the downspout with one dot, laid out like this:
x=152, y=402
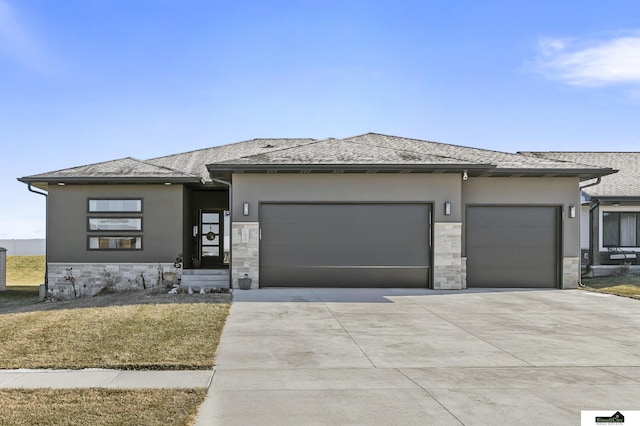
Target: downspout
x=598, y=179
x=46, y=264
x=592, y=207
x=224, y=182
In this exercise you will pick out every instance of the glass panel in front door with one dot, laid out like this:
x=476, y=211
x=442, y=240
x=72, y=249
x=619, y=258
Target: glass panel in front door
x=210, y=238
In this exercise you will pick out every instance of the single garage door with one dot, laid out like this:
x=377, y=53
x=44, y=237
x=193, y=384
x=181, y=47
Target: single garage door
x=344, y=245
x=512, y=246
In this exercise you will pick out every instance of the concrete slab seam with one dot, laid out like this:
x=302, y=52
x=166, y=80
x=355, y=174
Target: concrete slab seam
x=347, y=333
x=431, y=396
x=483, y=340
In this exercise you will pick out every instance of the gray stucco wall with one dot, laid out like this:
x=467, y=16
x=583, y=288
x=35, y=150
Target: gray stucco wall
x=436, y=188
x=527, y=190
x=67, y=223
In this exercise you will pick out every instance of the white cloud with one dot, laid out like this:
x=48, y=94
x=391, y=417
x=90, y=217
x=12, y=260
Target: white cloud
x=603, y=62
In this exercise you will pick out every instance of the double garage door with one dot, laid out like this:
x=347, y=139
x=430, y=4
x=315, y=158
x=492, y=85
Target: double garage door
x=345, y=245
x=389, y=245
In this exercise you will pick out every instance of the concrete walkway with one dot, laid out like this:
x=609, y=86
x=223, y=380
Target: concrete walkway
x=416, y=357
x=101, y=378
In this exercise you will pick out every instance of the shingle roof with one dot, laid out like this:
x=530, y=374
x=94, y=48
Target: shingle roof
x=463, y=154
x=195, y=162
x=370, y=151
x=122, y=169
x=625, y=183
x=382, y=150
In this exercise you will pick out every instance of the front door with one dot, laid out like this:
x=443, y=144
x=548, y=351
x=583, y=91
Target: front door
x=211, y=238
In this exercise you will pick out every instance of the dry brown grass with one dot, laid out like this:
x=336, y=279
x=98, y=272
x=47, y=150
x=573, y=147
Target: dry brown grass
x=97, y=407
x=25, y=270
x=625, y=285
x=153, y=336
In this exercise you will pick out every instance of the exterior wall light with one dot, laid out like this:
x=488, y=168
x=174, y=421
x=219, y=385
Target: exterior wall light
x=447, y=208
x=572, y=211
x=245, y=209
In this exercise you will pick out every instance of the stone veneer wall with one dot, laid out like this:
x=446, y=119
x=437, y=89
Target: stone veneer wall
x=90, y=278
x=448, y=270
x=245, y=250
x=570, y=272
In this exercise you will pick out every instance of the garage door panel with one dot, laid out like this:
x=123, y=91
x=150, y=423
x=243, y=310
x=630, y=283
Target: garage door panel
x=290, y=255
x=501, y=237
x=512, y=257
x=345, y=277
x=515, y=277
x=365, y=233
x=512, y=246
x=348, y=245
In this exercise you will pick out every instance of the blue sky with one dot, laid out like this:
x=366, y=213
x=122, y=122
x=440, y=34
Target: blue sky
x=85, y=81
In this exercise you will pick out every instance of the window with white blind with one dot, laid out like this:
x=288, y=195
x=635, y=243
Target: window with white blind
x=621, y=229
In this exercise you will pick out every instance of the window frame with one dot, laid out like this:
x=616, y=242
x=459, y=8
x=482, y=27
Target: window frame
x=119, y=234
x=138, y=237
x=89, y=229
x=140, y=211
x=618, y=209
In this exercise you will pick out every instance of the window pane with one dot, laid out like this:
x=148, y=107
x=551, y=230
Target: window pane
x=115, y=205
x=211, y=218
x=610, y=229
x=628, y=229
x=115, y=224
x=210, y=251
x=115, y=243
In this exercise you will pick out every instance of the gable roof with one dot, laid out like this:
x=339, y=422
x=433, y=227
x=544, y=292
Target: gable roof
x=369, y=152
x=624, y=184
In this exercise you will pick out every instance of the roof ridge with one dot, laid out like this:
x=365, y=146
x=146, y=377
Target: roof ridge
x=224, y=145
x=314, y=141
x=404, y=150
x=167, y=168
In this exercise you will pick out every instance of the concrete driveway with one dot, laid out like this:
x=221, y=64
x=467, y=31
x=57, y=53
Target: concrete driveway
x=417, y=357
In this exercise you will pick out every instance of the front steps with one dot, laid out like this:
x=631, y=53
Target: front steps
x=205, y=279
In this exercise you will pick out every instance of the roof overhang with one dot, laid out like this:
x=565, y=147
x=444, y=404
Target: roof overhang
x=225, y=170
x=616, y=199
x=583, y=174
x=63, y=180
x=473, y=170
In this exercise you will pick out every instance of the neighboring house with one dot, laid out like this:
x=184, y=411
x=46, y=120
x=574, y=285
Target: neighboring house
x=366, y=211
x=610, y=215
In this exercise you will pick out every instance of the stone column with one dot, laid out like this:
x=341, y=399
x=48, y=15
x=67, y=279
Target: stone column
x=3, y=269
x=245, y=253
x=449, y=271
